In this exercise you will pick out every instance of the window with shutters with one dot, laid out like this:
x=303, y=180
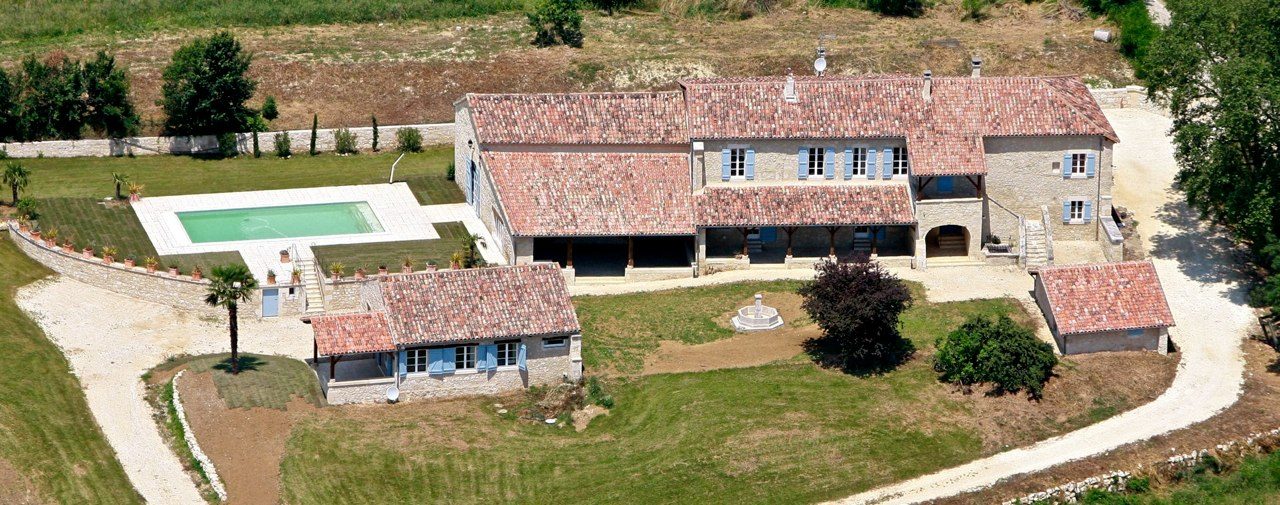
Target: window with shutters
x=1079, y=164
x=508, y=352
x=859, y=161
x=464, y=357
x=901, y=165
x=1076, y=212
x=738, y=162
x=416, y=360
x=817, y=161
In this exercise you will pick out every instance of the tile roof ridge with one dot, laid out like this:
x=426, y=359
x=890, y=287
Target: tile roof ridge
x=578, y=93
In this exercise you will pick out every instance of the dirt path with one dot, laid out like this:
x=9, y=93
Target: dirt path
x=111, y=339
x=1208, y=302
x=742, y=349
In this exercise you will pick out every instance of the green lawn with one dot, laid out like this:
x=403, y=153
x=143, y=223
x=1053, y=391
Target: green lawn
x=46, y=430
x=453, y=237
x=1257, y=480
x=782, y=433
x=264, y=381
x=70, y=192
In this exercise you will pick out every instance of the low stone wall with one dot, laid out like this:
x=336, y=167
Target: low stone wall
x=207, y=464
x=1128, y=97
x=300, y=140
x=634, y=274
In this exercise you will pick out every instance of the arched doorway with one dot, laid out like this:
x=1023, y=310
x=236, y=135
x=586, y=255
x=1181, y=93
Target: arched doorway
x=946, y=240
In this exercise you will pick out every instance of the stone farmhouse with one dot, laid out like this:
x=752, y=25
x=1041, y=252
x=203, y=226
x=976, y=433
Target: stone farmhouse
x=1105, y=307
x=452, y=332
x=780, y=172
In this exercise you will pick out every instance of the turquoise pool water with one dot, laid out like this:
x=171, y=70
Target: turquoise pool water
x=288, y=221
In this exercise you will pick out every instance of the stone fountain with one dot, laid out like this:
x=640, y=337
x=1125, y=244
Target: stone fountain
x=757, y=317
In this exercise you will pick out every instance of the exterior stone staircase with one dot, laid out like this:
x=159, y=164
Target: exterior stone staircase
x=862, y=242
x=312, y=286
x=1037, y=252
x=951, y=245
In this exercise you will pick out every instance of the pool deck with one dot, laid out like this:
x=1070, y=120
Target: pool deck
x=401, y=216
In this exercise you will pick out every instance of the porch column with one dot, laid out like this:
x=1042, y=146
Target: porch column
x=831, y=232
x=315, y=352
x=568, y=261
x=875, y=231
x=631, y=252
x=791, y=233
x=333, y=364
x=746, y=251
x=395, y=367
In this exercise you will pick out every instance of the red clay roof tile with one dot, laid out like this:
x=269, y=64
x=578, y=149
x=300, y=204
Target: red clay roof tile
x=1105, y=297
x=804, y=205
x=341, y=334
x=580, y=118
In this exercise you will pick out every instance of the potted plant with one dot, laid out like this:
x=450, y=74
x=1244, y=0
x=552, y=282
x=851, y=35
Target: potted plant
x=382, y=270
x=284, y=256
x=173, y=270
x=406, y=267
x=337, y=269
x=135, y=192
x=35, y=234
x=108, y=254
x=455, y=261
x=87, y=252
x=24, y=224
x=51, y=238
x=431, y=265
x=360, y=273
x=296, y=278
x=130, y=262
x=271, y=276
x=68, y=246
x=196, y=273
x=151, y=263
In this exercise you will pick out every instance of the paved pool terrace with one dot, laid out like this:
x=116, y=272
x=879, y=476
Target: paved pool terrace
x=395, y=216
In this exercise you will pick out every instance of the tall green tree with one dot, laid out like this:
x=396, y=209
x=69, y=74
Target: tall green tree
x=270, y=111
x=858, y=304
x=206, y=88
x=1216, y=67
x=8, y=108
x=229, y=285
x=51, y=99
x=108, y=110
x=556, y=22
x=16, y=177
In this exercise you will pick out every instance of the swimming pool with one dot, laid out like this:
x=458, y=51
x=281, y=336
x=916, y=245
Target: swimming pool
x=287, y=221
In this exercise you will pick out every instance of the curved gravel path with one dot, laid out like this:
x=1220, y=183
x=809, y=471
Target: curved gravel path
x=1208, y=303
x=111, y=339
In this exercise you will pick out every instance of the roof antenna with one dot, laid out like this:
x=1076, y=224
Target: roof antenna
x=820, y=64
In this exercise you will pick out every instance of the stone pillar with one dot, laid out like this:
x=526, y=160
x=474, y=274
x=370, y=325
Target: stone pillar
x=700, y=250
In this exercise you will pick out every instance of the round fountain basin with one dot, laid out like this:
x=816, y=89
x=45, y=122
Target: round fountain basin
x=757, y=319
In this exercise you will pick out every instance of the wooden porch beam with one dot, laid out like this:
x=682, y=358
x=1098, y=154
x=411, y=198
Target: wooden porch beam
x=631, y=252
x=746, y=251
x=568, y=261
x=791, y=234
x=831, y=232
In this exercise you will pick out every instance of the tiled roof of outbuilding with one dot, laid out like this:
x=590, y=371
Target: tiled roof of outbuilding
x=1105, y=297
x=580, y=118
x=362, y=332
x=804, y=205
x=593, y=193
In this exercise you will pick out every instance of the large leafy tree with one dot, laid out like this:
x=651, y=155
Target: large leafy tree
x=51, y=99
x=858, y=304
x=556, y=22
x=229, y=285
x=108, y=110
x=206, y=88
x=8, y=108
x=1216, y=67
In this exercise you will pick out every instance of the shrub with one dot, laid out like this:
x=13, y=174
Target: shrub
x=269, y=109
x=108, y=110
x=227, y=145
x=315, y=125
x=999, y=352
x=596, y=393
x=344, y=141
x=974, y=10
x=409, y=140
x=27, y=208
x=374, y=119
x=556, y=22
x=283, y=147
x=609, y=6
x=908, y=8
x=858, y=304
x=1138, y=485
x=450, y=172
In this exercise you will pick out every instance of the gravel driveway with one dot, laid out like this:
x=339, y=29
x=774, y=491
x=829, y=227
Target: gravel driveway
x=111, y=339
x=1208, y=303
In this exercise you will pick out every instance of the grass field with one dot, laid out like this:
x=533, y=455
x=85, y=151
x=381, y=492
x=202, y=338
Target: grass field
x=47, y=434
x=70, y=196
x=1256, y=481
x=264, y=381
x=453, y=237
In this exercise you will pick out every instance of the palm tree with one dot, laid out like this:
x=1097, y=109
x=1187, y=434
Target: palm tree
x=16, y=177
x=229, y=285
x=119, y=180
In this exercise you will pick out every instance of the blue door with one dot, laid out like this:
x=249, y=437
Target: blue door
x=471, y=182
x=270, y=302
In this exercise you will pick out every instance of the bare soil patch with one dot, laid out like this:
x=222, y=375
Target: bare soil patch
x=743, y=349
x=246, y=445
x=17, y=489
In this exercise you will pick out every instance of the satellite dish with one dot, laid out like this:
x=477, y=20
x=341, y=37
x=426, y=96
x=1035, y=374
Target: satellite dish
x=820, y=64
x=393, y=394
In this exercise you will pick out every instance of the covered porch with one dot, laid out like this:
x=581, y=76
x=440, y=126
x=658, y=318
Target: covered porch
x=616, y=257
x=800, y=246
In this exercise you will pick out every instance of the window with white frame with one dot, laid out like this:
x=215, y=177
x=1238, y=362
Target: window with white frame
x=1079, y=164
x=901, y=164
x=1076, y=211
x=859, y=161
x=415, y=360
x=508, y=352
x=738, y=162
x=555, y=342
x=817, y=161
x=464, y=357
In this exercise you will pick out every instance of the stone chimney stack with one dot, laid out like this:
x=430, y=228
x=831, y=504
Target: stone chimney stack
x=975, y=67
x=927, y=94
x=789, y=91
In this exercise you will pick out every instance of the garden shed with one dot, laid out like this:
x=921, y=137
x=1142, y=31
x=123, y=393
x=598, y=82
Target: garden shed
x=1105, y=307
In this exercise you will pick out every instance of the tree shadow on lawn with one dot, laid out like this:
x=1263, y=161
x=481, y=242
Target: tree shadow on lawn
x=247, y=364
x=1203, y=251
x=825, y=353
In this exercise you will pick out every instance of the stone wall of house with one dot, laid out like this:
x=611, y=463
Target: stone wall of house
x=776, y=159
x=657, y=273
x=1150, y=339
x=485, y=196
x=545, y=366
x=965, y=212
x=1025, y=173
x=344, y=295
x=1128, y=97
x=300, y=140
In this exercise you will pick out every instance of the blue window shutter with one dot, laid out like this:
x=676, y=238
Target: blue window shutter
x=1066, y=211
x=521, y=357
x=889, y=154
x=1066, y=164
x=848, y=163
x=751, y=164
x=724, y=164
x=404, y=362
x=802, y=163
x=829, y=164
x=435, y=361
x=490, y=353
x=1090, y=164
x=871, y=163
x=1088, y=211
x=946, y=184
x=449, y=355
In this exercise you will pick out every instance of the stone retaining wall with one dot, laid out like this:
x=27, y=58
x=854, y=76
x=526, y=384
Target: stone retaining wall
x=300, y=141
x=207, y=464
x=1128, y=97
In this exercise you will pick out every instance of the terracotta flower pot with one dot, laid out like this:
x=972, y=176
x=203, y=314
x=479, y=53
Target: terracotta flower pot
x=337, y=277
x=135, y=197
x=284, y=256
x=196, y=275
x=51, y=243
x=297, y=278
x=382, y=270
x=406, y=269
x=173, y=271
x=455, y=265
x=108, y=259
x=87, y=252
x=129, y=262
x=151, y=269
x=35, y=235
x=432, y=268
x=271, y=278
x=360, y=274
x=68, y=247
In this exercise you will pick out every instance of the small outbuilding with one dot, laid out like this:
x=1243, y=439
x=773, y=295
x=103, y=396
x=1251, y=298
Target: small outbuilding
x=453, y=332
x=1105, y=307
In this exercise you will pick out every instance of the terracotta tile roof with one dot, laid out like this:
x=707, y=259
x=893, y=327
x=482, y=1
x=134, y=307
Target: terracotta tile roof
x=1105, y=297
x=362, y=332
x=593, y=194
x=478, y=303
x=933, y=155
x=580, y=118
x=804, y=205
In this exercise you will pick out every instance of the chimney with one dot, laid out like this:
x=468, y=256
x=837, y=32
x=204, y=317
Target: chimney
x=789, y=91
x=975, y=67
x=928, y=85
